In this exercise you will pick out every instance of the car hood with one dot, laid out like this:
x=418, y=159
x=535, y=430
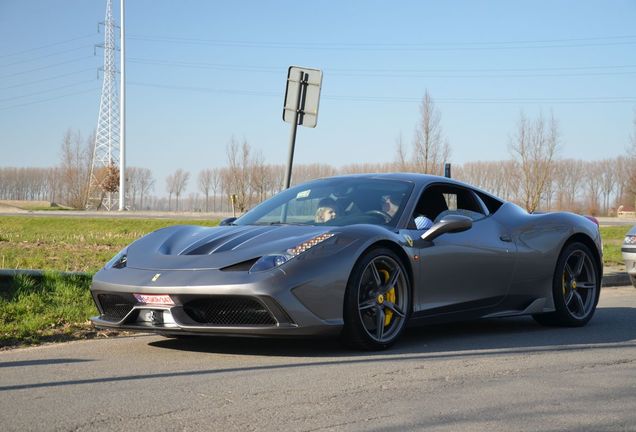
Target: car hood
x=188, y=247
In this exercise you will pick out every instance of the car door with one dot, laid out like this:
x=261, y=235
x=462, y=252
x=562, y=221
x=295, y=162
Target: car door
x=464, y=270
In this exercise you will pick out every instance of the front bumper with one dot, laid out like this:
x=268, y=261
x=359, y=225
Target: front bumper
x=238, y=304
x=629, y=257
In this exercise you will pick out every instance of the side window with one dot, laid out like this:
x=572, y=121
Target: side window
x=451, y=201
x=440, y=200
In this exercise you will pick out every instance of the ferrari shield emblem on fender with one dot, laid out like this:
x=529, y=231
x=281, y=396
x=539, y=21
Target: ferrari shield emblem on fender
x=408, y=239
x=155, y=277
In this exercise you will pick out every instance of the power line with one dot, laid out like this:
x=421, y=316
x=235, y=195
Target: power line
x=47, y=55
x=46, y=46
x=391, y=73
x=47, y=100
x=45, y=67
x=407, y=99
x=46, y=79
x=45, y=91
x=379, y=46
x=208, y=90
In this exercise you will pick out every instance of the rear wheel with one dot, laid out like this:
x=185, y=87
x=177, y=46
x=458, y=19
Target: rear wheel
x=377, y=301
x=575, y=288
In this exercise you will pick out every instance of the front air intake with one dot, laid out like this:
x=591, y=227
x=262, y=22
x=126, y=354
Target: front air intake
x=229, y=311
x=115, y=307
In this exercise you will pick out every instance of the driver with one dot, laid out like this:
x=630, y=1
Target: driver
x=326, y=211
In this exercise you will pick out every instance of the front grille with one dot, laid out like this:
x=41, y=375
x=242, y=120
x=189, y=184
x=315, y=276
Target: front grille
x=229, y=311
x=115, y=307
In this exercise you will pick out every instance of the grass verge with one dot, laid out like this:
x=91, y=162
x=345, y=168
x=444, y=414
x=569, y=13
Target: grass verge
x=51, y=307
x=613, y=237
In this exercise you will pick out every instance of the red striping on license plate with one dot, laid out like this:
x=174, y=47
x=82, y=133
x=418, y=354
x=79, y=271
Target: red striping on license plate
x=154, y=299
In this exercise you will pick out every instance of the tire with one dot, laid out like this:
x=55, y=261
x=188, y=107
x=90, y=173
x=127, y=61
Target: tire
x=377, y=301
x=576, y=287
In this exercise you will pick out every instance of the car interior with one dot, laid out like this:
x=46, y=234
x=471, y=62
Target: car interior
x=438, y=201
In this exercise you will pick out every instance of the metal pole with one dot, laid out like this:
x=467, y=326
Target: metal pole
x=292, y=136
x=122, y=116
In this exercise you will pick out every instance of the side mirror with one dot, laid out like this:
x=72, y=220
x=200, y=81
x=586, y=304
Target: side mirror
x=448, y=224
x=228, y=221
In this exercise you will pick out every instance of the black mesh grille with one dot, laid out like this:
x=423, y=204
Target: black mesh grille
x=229, y=311
x=115, y=307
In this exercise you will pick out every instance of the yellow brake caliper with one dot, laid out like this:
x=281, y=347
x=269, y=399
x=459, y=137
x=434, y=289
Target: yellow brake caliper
x=390, y=296
x=563, y=284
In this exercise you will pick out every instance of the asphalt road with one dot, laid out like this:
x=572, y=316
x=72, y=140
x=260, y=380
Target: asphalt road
x=508, y=374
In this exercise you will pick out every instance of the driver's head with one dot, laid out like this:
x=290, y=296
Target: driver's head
x=326, y=211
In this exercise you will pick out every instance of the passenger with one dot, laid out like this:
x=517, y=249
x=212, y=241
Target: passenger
x=326, y=211
x=390, y=207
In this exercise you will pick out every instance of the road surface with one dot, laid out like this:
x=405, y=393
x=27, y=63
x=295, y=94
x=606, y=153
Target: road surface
x=494, y=375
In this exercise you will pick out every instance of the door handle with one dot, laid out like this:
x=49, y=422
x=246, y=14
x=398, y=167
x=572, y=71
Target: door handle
x=505, y=238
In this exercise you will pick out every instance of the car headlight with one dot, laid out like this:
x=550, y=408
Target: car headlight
x=630, y=240
x=268, y=262
x=119, y=260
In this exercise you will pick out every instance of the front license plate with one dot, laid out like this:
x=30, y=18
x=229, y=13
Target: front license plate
x=154, y=299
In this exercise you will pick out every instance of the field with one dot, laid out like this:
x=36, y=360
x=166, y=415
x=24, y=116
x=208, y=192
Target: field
x=71, y=243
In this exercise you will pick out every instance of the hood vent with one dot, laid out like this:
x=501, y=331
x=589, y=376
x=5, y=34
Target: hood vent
x=242, y=266
x=222, y=243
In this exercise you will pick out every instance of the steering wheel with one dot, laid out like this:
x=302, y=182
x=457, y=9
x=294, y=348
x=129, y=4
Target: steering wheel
x=385, y=216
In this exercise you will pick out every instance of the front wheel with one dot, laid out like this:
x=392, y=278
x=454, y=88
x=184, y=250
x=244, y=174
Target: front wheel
x=576, y=288
x=377, y=301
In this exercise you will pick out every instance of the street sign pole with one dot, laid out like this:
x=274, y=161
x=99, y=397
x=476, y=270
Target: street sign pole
x=292, y=136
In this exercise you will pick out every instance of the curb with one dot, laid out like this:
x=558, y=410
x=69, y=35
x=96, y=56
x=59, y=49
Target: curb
x=612, y=280
x=7, y=276
x=7, y=273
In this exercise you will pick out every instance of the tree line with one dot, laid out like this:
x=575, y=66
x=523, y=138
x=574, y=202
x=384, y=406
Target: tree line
x=534, y=176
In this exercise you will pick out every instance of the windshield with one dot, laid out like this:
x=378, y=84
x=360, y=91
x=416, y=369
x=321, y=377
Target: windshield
x=336, y=202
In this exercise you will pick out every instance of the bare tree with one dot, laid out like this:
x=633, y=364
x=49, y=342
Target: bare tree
x=593, y=187
x=400, y=155
x=75, y=162
x=215, y=183
x=236, y=177
x=607, y=168
x=569, y=178
x=205, y=185
x=534, y=148
x=258, y=176
x=431, y=149
x=180, y=178
x=132, y=185
x=146, y=184
x=170, y=188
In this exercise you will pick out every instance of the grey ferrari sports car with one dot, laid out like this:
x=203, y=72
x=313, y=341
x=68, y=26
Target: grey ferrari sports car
x=361, y=256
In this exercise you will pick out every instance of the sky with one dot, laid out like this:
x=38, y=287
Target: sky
x=199, y=72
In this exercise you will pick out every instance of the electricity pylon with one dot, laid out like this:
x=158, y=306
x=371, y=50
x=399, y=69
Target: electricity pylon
x=105, y=167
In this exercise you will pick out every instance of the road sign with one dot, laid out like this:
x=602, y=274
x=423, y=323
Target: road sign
x=302, y=96
x=301, y=105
